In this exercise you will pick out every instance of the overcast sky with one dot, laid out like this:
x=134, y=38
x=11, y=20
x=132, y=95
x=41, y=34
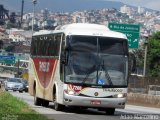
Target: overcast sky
x=153, y=4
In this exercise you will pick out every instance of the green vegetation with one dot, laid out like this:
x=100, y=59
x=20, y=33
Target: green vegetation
x=154, y=55
x=12, y=108
x=10, y=48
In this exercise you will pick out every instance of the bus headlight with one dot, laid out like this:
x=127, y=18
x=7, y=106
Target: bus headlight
x=120, y=95
x=70, y=92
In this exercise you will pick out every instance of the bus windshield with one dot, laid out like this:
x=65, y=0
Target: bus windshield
x=95, y=60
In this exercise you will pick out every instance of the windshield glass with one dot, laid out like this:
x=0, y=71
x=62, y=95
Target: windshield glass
x=14, y=80
x=96, y=61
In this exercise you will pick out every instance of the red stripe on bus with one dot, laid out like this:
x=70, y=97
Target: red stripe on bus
x=44, y=69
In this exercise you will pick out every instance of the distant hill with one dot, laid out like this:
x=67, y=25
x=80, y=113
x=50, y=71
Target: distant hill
x=61, y=5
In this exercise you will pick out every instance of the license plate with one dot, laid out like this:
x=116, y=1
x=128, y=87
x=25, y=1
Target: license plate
x=95, y=102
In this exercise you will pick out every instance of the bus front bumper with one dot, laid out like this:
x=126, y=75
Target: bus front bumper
x=71, y=100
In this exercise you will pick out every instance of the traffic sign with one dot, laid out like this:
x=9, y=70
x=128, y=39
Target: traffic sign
x=7, y=59
x=130, y=30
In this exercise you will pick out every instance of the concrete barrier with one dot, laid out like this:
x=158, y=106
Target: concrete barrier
x=7, y=75
x=144, y=100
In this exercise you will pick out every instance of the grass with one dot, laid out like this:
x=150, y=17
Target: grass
x=12, y=108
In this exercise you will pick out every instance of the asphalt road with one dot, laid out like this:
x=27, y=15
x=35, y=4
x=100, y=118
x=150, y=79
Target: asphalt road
x=129, y=113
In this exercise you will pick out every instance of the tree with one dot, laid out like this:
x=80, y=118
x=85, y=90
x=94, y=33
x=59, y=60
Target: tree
x=139, y=54
x=12, y=18
x=1, y=44
x=10, y=48
x=10, y=25
x=154, y=55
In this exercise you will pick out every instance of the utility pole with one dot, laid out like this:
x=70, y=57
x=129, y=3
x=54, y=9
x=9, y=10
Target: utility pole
x=145, y=54
x=34, y=4
x=22, y=12
x=18, y=69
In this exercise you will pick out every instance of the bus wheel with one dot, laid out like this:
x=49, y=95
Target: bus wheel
x=58, y=107
x=37, y=101
x=45, y=103
x=110, y=111
x=20, y=91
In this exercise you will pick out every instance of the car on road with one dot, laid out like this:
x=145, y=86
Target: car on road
x=14, y=84
x=25, y=85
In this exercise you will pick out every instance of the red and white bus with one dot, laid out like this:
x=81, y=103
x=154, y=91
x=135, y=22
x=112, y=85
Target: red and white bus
x=79, y=64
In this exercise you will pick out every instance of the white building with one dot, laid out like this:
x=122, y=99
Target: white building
x=77, y=19
x=27, y=16
x=19, y=35
x=141, y=10
x=126, y=9
x=16, y=37
x=45, y=14
x=83, y=19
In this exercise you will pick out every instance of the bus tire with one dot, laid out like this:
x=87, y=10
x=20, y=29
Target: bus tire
x=45, y=103
x=110, y=111
x=58, y=107
x=37, y=101
x=20, y=91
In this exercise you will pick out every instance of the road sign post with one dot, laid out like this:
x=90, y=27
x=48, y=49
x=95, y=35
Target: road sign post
x=131, y=31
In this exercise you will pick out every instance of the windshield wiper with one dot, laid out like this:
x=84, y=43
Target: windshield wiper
x=103, y=69
x=86, y=77
x=89, y=72
x=106, y=73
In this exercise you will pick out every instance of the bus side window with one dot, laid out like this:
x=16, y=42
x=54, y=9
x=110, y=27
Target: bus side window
x=43, y=47
x=39, y=43
x=34, y=46
x=57, y=44
x=51, y=46
x=48, y=46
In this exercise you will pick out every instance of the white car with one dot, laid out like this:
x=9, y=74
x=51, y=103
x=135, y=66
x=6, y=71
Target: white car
x=14, y=84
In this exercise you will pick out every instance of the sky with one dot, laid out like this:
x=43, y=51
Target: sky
x=153, y=4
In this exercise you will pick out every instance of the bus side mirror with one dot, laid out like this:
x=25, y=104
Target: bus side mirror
x=64, y=56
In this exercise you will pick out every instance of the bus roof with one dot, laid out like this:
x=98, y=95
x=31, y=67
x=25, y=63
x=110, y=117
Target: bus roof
x=84, y=29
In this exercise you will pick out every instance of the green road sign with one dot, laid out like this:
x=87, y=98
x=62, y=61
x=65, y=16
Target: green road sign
x=131, y=31
x=7, y=59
